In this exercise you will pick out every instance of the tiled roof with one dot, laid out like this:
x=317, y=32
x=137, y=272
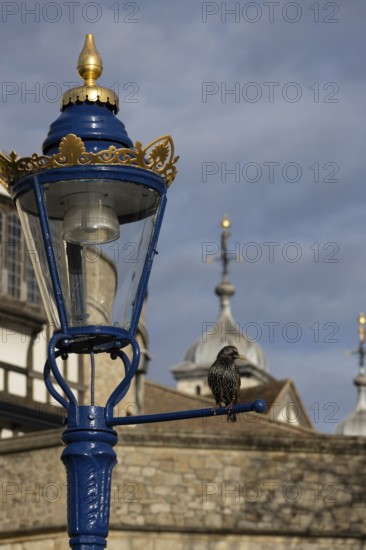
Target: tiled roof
x=268, y=392
x=159, y=399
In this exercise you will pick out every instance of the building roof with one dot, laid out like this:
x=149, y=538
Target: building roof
x=160, y=399
x=283, y=401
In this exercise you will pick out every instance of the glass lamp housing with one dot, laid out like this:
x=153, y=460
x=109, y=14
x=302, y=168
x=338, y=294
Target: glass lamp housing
x=101, y=225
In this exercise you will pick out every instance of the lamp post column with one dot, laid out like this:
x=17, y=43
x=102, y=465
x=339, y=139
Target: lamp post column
x=89, y=458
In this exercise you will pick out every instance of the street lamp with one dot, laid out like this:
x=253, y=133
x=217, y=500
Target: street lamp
x=91, y=194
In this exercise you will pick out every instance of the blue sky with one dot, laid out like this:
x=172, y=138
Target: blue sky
x=266, y=104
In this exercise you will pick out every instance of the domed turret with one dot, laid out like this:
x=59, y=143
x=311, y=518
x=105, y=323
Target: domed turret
x=355, y=423
x=191, y=374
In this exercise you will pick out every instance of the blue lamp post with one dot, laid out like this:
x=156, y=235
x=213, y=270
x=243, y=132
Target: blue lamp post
x=91, y=194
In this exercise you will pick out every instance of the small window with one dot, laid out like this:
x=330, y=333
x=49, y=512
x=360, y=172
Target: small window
x=198, y=390
x=33, y=295
x=13, y=254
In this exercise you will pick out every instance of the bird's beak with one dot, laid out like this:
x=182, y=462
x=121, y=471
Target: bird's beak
x=242, y=357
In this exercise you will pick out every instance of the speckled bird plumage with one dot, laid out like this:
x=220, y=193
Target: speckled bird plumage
x=224, y=379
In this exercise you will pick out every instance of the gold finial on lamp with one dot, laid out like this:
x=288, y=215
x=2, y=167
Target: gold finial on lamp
x=90, y=65
x=89, y=68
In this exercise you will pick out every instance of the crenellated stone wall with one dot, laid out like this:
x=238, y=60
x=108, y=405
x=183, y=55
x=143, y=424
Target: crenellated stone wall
x=201, y=492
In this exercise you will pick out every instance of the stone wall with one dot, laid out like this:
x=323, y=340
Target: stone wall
x=155, y=540
x=201, y=492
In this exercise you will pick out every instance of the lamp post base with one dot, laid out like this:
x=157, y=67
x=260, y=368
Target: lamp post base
x=88, y=543
x=89, y=459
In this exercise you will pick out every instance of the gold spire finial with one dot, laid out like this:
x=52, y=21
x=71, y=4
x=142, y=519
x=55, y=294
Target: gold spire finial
x=361, y=326
x=90, y=65
x=89, y=68
x=225, y=222
x=225, y=289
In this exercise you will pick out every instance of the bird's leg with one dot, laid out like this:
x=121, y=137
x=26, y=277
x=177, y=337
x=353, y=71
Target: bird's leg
x=231, y=417
x=216, y=406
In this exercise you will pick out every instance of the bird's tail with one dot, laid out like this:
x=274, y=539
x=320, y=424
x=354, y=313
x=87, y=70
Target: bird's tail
x=232, y=417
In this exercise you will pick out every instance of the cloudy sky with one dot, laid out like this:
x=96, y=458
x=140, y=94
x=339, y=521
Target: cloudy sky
x=266, y=104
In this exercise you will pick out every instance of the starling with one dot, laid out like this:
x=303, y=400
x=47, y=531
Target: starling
x=224, y=379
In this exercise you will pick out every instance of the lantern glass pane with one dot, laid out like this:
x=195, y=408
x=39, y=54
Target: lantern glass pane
x=101, y=234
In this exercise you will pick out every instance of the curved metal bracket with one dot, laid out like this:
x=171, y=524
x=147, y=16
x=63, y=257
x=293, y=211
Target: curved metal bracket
x=123, y=386
x=51, y=366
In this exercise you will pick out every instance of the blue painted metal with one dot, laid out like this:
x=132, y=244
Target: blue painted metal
x=122, y=388
x=258, y=406
x=95, y=124
x=51, y=367
x=89, y=459
x=48, y=381
x=148, y=265
x=132, y=174
x=47, y=239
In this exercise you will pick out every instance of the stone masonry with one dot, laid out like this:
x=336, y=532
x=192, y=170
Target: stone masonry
x=196, y=491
